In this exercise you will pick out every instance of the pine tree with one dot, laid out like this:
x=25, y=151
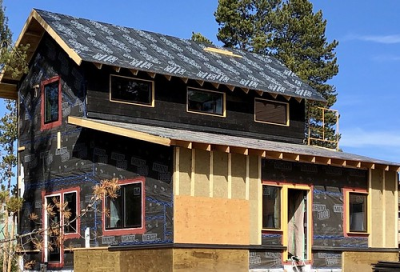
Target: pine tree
x=290, y=31
x=198, y=37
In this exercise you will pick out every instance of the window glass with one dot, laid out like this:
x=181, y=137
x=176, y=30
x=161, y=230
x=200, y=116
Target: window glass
x=131, y=90
x=271, y=207
x=125, y=211
x=271, y=112
x=70, y=220
x=205, y=101
x=51, y=102
x=358, y=212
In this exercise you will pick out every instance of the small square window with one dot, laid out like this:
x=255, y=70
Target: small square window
x=131, y=90
x=207, y=102
x=271, y=207
x=51, y=103
x=273, y=112
x=357, y=212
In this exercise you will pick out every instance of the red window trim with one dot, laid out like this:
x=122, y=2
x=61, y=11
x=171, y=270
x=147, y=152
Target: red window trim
x=346, y=233
x=66, y=235
x=140, y=230
x=42, y=85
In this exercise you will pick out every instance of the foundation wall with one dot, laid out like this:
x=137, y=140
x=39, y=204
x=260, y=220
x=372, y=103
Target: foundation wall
x=363, y=261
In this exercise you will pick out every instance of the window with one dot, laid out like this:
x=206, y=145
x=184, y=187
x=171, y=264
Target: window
x=131, y=90
x=273, y=112
x=57, y=218
x=207, y=102
x=271, y=207
x=357, y=212
x=51, y=103
x=125, y=213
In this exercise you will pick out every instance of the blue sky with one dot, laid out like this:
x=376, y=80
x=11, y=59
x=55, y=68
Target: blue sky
x=368, y=54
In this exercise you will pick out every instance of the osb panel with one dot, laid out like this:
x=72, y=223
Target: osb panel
x=238, y=173
x=146, y=260
x=96, y=260
x=220, y=175
x=376, y=208
x=390, y=209
x=255, y=202
x=200, y=260
x=185, y=170
x=202, y=173
x=205, y=220
x=362, y=261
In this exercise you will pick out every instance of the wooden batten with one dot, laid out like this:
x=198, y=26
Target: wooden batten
x=394, y=168
x=98, y=65
x=260, y=93
x=323, y=160
x=184, y=79
x=239, y=150
x=246, y=90
x=287, y=97
x=382, y=167
x=273, y=95
x=221, y=148
x=216, y=85
x=257, y=152
x=117, y=69
x=274, y=155
x=201, y=146
x=307, y=158
x=21, y=148
x=339, y=162
x=168, y=77
x=368, y=165
x=152, y=75
x=134, y=72
x=200, y=82
x=355, y=164
x=291, y=157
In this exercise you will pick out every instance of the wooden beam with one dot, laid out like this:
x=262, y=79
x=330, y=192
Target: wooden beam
x=185, y=79
x=21, y=148
x=239, y=150
x=382, y=167
x=200, y=82
x=287, y=97
x=356, y=164
x=323, y=160
x=98, y=65
x=260, y=93
x=202, y=146
x=168, y=77
x=130, y=133
x=221, y=148
x=230, y=87
x=134, y=72
x=151, y=74
x=394, y=168
x=298, y=99
x=307, y=158
x=291, y=156
x=184, y=144
x=368, y=165
x=246, y=90
x=117, y=69
x=216, y=85
x=8, y=91
x=339, y=162
x=273, y=95
x=257, y=152
x=274, y=155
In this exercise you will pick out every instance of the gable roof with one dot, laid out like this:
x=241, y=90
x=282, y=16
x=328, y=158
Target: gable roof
x=137, y=50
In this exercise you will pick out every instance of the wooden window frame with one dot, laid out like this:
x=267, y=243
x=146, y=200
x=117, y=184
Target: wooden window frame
x=202, y=112
x=273, y=184
x=276, y=102
x=152, y=102
x=346, y=210
x=67, y=236
x=57, y=122
x=126, y=231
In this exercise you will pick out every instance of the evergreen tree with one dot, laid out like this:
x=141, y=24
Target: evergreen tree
x=198, y=37
x=294, y=34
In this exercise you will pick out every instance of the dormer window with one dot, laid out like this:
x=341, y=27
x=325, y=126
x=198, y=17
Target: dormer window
x=51, y=103
x=206, y=102
x=271, y=112
x=131, y=90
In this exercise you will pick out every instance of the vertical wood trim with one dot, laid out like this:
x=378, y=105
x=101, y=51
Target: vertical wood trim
x=211, y=188
x=369, y=210
x=396, y=209
x=247, y=180
x=192, y=175
x=284, y=205
x=229, y=175
x=260, y=205
x=176, y=170
x=383, y=205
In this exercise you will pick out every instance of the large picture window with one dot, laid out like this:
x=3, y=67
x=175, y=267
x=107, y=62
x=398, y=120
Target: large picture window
x=125, y=213
x=131, y=90
x=357, y=212
x=273, y=112
x=207, y=102
x=271, y=207
x=51, y=102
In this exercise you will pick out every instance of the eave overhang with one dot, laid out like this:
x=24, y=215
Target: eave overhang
x=234, y=144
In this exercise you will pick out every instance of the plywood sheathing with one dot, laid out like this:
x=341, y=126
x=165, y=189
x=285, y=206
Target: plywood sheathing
x=202, y=173
x=362, y=261
x=376, y=217
x=255, y=199
x=390, y=210
x=220, y=175
x=185, y=171
x=238, y=166
x=205, y=220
